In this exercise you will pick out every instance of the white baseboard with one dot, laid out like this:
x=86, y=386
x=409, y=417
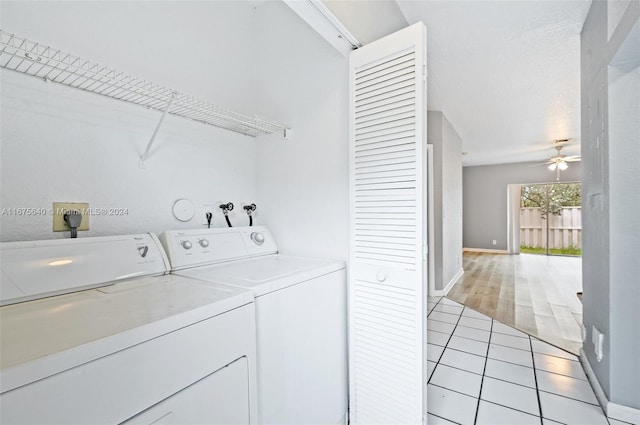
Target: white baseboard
x=492, y=251
x=613, y=410
x=593, y=380
x=448, y=286
x=623, y=413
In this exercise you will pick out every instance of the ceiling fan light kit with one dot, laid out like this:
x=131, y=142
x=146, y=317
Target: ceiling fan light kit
x=559, y=162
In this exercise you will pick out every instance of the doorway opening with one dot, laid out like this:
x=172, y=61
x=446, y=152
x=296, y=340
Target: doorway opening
x=550, y=219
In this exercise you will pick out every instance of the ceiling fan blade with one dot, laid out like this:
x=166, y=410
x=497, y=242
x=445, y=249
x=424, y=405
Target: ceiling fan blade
x=573, y=158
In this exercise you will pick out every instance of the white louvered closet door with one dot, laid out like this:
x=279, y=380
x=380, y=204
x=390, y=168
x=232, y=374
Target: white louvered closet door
x=387, y=317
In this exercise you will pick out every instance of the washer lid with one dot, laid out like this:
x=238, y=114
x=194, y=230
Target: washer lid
x=265, y=274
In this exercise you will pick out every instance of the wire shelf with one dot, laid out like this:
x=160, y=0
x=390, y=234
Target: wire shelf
x=32, y=58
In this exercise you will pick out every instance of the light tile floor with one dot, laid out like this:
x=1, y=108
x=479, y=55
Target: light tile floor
x=484, y=372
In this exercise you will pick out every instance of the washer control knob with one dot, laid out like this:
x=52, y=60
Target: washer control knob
x=186, y=244
x=257, y=238
x=203, y=243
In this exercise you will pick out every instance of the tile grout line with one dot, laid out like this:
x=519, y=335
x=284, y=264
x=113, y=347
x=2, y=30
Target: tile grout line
x=506, y=406
x=567, y=397
x=484, y=370
x=445, y=348
x=532, y=353
x=535, y=378
x=448, y=420
x=507, y=381
x=448, y=339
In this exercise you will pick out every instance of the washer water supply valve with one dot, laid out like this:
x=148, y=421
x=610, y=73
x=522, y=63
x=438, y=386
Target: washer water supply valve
x=225, y=210
x=73, y=219
x=209, y=216
x=250, y=209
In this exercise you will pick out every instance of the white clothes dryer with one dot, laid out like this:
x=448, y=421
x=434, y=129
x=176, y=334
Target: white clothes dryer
x=139, y=346
x=301, y=318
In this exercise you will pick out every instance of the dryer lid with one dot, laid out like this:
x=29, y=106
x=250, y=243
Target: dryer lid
x=38, y=269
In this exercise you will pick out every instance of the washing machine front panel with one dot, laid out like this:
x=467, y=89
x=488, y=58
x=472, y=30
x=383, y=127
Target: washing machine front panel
x=193, y=248
x=300, y=322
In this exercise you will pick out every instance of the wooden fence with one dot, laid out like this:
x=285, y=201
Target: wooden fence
x=565, y=230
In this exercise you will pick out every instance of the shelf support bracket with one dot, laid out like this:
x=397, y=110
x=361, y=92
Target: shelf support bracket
x=145, y=155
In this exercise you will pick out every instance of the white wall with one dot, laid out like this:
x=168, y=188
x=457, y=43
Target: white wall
x=611, y=237
x=624, y=220
x=204, y=48
x=447, y=161
x=451, y=202
x=61, y=144
x=303, y=183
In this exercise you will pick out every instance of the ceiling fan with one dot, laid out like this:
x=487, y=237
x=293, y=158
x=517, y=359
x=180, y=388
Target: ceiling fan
x=559, y=162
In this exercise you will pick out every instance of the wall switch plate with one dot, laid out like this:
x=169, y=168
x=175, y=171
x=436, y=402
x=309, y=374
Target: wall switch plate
x=205, y=210
x=494, y=242
x=60, y=208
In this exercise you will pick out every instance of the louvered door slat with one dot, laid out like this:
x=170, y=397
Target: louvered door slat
x=397, y=110
x=385, y=157
x=383, y=66
x=386, y=178
x=365, y=206
x=370, y=307
x=387, y=219
x=389, y=122
x=399, y=136
x=371, y=379
x=383, y=79
x=385, y=98
x=385, y=84
x=394, y=128
x=390, y=104
x=386, y=242
x=380, y=234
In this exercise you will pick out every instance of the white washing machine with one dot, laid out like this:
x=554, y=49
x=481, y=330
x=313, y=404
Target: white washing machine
x=301, y=318
x=141, y=346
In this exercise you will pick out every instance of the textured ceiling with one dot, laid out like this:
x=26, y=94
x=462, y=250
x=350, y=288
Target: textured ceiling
x=505, y=73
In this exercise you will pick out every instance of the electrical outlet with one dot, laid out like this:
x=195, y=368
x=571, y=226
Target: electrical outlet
x=60, y=208
x=597, y=338
x=205, y=210
x=494, y=242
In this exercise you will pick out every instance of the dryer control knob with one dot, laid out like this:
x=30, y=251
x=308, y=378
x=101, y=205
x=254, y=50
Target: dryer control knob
x=257, y=238
x=203, y=243
x=186, y=244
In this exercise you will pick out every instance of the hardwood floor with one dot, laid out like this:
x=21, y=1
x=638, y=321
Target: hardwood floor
x=533, y=293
